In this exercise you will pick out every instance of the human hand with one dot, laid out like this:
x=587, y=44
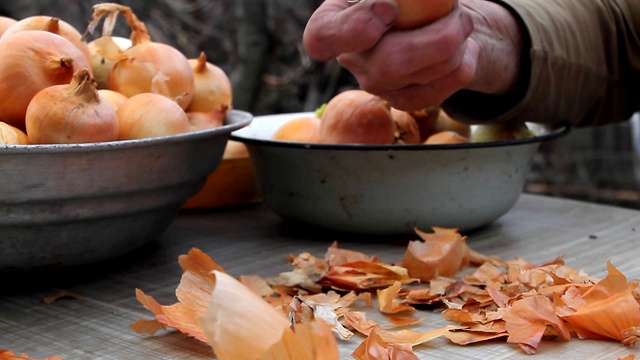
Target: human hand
x=414, y=69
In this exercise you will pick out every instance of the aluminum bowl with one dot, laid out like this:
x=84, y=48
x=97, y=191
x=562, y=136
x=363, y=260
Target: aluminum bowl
x=388, y=189
x=64, y=205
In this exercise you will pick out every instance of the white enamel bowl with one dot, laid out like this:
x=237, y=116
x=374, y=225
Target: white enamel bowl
x=64, y=205
x=388, y=189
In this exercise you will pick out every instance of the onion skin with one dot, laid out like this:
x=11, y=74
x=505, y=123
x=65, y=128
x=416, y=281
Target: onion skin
x=417, y=13
x=70, y=114
x=53, y=25
x=407, y=130
x=150, y=115
x=30, y=61
x=102, y=66
x=212, y=87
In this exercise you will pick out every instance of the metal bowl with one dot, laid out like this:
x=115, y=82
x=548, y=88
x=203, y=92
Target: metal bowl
x=63, y=205
x=388, y=189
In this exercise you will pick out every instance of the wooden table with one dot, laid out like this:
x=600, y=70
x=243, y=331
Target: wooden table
x=252, y=240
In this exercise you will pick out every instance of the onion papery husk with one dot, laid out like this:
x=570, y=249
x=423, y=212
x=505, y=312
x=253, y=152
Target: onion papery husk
x=146, y=66
x=115, y=45
x=72, y=113
x=608, y=310
x=31, y=61
x=53, y=25
x=240, y=325
x=442, y=253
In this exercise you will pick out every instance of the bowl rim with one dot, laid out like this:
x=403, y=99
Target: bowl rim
x=550, y=134
x=235, y=119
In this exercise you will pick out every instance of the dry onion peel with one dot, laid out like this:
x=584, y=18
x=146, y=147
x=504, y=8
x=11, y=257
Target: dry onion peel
x=234, y=308
x=9, y=355
x=442, y=253
x=196, y=284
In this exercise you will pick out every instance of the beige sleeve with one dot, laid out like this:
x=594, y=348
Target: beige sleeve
x=582, y=68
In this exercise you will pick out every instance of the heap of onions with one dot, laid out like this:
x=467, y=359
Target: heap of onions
x=31, y=61
x=72, y=113
x=53, y=25
x=146, y=66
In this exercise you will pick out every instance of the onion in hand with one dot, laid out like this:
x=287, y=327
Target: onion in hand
x=72, y=113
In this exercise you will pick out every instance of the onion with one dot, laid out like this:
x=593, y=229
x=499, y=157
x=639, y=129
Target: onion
x=53, y=25
x=212, y=91
x=72, y=113
x=30, y=61
x=101, y=66
x=149, y=115
x=417, y=13
x=113, y=98
x=146, y=66
x=204, y=120
x=11, y=135
x=6, y=22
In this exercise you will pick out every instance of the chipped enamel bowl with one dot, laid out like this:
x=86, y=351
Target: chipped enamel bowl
x=388, y=189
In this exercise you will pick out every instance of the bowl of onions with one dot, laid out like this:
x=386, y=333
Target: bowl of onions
x=329, y=172
x=102, y=143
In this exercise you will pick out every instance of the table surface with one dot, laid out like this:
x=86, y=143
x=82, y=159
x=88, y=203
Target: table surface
x=252, y=240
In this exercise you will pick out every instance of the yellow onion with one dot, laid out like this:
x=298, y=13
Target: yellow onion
x=30, y=61
x=213, y=91
x=146, y=66
x=5, y=23
x=149, y=115
x=11, y=135
x=204, y=120
x=101, y=66
x=72, y=113
x=53, y=25
x=113, y=98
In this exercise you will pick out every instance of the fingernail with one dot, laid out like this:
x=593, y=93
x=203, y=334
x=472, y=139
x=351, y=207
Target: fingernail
x=385, y=13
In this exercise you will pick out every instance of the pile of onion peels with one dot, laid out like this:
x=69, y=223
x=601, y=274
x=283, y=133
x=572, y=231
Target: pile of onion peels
x=305, y=312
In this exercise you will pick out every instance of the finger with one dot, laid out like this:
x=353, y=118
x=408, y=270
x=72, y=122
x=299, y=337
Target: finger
x=410, y=57
x=419, y=96
x=336, y=27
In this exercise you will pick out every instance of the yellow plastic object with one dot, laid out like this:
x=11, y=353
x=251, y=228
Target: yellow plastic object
x=232, y=183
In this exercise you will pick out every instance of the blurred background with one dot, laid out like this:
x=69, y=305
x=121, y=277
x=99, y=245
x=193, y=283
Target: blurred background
x=258, y=44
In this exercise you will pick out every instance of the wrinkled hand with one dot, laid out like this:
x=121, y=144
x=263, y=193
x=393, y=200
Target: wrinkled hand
x=417, y=68
x=411, y=69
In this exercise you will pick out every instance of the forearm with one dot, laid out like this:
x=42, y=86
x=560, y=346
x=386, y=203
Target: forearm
x=584, y=61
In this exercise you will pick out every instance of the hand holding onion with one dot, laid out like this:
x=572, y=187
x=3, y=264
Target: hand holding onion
x=416, y=67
